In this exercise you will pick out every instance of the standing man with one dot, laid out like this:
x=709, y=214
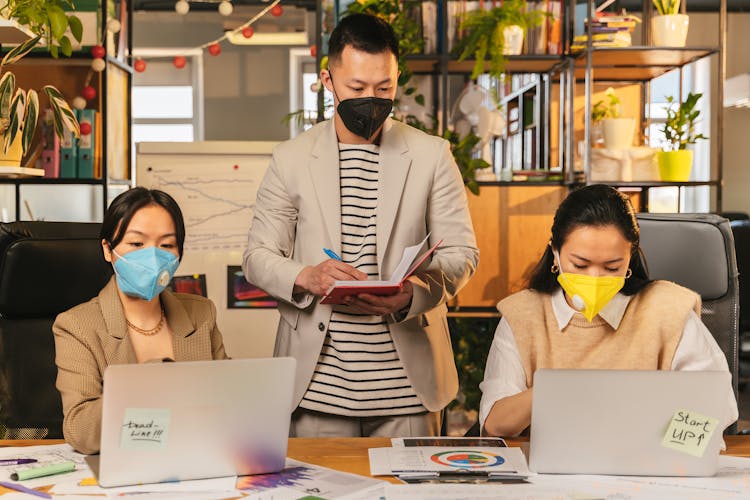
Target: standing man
x=366, y=187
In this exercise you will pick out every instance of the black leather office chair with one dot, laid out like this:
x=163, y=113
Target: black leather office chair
x=741, y=232
x=45, y=268
x=733, y=216
x=697, y=252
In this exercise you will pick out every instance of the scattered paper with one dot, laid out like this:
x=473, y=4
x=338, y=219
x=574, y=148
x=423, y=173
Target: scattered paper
x=89, y=487
x=467, y=492
x=45, y=455
x=305, y=480
x=689, y=432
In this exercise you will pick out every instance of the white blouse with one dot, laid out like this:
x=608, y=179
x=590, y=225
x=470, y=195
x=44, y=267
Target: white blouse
x=504, y=374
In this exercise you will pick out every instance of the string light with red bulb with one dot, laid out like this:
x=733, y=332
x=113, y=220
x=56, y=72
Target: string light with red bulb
x=98, y=64
x=213, y=47
x=179, y=62
x=85, y=128
x=139, y=65
x=89, y=92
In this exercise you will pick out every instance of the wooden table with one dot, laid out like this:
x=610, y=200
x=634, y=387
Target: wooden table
x=350, y=454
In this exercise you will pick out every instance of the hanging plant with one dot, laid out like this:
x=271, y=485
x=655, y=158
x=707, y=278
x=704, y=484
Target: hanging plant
x=485, y=34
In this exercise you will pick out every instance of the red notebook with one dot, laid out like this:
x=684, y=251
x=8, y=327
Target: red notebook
x=410, y=262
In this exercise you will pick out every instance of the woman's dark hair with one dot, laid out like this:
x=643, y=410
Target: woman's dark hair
x=363, y=32
x=120, y=212
x=596, y=205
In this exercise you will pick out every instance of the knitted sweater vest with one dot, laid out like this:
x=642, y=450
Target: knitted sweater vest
x=646, y=339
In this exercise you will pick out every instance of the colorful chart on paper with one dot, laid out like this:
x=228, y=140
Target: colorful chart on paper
x=467, y=459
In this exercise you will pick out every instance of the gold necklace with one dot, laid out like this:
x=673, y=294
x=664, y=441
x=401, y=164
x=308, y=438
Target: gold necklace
x=150, y=332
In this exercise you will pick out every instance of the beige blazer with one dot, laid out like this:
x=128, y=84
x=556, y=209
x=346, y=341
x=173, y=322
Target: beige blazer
x=93, y=335
x=298, y=213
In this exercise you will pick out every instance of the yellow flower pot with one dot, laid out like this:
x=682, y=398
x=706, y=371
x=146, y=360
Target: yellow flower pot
x=13, y=157
x=674, y=166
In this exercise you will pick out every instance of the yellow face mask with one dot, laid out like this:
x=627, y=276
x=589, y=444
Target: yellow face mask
x=589, y=294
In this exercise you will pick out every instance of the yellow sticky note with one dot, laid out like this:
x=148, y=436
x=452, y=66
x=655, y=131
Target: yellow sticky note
x=689, y=432
x=89, y=481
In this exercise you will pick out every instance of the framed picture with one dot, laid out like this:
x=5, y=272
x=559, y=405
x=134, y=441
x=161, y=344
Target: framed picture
x=194, y=283
x=243, y=295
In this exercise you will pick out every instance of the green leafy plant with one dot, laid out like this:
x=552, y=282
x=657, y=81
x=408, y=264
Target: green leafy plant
x=19, y=108
x=484, y=37
x=606, y=108
x=47, y=19
x=409, y=31
x=667, y=7
x=463, y=152
x=471, y=339
x=679, y=127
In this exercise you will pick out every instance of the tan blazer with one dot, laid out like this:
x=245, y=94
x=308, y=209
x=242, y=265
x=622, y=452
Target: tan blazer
x=93, y=335
x=298, y=213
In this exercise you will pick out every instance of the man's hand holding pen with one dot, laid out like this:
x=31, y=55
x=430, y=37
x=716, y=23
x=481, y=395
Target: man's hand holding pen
x=319, y=279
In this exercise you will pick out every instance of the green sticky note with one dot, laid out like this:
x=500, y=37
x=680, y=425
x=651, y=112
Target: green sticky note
x=689, y=432
x=145, y=428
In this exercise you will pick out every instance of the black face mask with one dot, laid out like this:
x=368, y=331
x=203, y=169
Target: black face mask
x=363, y=116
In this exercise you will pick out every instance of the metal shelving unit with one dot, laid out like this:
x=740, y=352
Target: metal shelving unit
x=445, y=67
x=641, y=64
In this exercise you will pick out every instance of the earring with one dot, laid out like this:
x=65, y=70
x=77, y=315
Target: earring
x=554, y=269
x=629, y=273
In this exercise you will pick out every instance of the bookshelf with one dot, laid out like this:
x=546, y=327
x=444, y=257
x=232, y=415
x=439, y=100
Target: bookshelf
x=112, y=104
x=637, y=66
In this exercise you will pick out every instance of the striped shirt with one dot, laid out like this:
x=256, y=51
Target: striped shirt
x=359, y=373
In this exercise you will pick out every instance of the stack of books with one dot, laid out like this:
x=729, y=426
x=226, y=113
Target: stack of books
x=608, y=30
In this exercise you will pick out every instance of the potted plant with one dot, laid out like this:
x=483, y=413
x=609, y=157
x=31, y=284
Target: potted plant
x=617, y=131
x=675, y=161
x=495, y=33
x=19, y=109
x=669, y=28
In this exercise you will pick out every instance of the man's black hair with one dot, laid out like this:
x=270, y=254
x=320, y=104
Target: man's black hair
x=362, y=32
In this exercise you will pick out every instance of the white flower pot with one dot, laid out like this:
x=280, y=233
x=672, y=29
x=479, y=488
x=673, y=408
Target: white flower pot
x=670, y=30
x=618, y=132
x=513, y=40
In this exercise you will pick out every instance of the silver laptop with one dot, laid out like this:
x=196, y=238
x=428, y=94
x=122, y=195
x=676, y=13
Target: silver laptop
x=613, y=421
x=193, y=420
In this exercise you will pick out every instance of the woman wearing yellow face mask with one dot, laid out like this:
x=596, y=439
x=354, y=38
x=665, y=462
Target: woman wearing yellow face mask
x=590, y=304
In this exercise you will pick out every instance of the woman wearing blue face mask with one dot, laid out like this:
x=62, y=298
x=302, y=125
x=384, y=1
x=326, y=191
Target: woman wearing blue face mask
x=590, y=304
x=133, y=319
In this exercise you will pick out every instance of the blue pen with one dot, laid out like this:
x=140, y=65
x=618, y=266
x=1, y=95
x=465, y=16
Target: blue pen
x=332, y=254
x=24, y=489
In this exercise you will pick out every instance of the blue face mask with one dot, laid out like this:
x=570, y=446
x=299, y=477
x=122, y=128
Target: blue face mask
x=146, y=272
